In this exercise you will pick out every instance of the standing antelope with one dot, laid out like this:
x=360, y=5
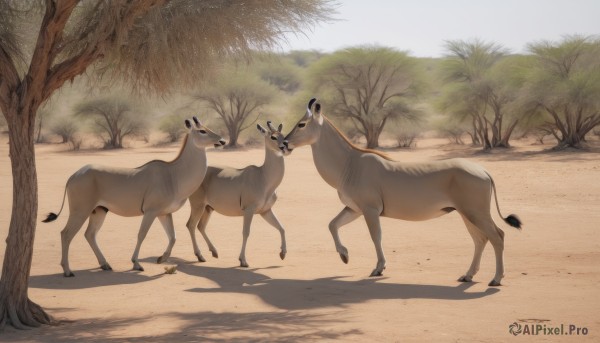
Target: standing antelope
x=241, y=192
x=153, y=190
x=371, y=184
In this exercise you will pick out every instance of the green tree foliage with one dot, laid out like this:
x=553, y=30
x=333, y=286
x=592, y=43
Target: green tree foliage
x=370, y=86
x=280, y=71
x=564, y=86
x=481, y=85
x=171, y=125
x=304, y=58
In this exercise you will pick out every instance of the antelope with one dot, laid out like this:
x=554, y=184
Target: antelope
x=241, y=192
x=372, y=185
x=153, y=190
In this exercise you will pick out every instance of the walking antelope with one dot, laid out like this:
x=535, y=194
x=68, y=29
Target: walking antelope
x=153, y=190
x=241, y=192
x=371, y=184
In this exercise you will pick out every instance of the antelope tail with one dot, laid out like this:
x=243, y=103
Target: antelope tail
x=512, y=219
x=52, y=216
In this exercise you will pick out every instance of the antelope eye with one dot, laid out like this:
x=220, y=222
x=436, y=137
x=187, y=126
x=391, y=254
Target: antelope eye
x=301, y=125
x=202, y=131
x=274, y=138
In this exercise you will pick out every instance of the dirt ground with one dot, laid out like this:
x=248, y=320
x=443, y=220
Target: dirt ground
x=552, y=266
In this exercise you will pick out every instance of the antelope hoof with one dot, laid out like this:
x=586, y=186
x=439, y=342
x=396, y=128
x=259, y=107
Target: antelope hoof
x=161, y=259
x=282, y=255
x=200, y=258
x=465, y=278
x=244, y=264
x=106, y=266
x=494, y=283
x=69, y=274
x=137, y=266
x=215, y=254
x=376, y=273
x=345, y=258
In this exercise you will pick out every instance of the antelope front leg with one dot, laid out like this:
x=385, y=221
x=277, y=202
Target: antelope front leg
x=202, y=228
x=147, y=221
x=167, y=223
x=270, y=218
x=346, y=216
x=248, y=214
x=195, y=217
x=372, y=219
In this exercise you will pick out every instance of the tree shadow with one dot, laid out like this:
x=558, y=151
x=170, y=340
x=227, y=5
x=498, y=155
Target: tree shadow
x=89, y=278
x=297, y=294
x=193, y=327
x=512, y=154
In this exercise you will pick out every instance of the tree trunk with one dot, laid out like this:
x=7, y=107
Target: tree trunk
x=233, y=136
x=15, y=306
x=475, y=136
x=504, y=141
x=570, y=136
x=572, y=140
x=372, y=137
x=373, y=140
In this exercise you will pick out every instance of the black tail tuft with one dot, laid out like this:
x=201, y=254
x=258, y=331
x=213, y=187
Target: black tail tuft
x=513, y=221
x=50, y=218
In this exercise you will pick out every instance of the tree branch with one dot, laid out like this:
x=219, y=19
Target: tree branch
x=76, y=65
x=55, y=18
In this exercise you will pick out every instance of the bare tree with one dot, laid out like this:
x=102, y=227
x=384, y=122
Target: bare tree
x=67, y=129
x=151, y=45
x=114, y=119
x=368, y=85
x=236, y=95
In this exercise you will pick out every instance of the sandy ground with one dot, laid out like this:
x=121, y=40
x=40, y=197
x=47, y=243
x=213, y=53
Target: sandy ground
x=552, y=266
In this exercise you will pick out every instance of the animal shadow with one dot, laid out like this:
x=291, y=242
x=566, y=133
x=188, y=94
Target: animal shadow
x=89, y=278
x=298, y=294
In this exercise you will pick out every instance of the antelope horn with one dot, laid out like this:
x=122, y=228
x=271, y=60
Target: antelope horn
x=196, y=121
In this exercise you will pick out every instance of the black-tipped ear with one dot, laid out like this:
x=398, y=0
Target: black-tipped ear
x=311, y=102
x=188, y=124
x=280, y=127
x=318, y=108
x=261, y=129
x=196, y=121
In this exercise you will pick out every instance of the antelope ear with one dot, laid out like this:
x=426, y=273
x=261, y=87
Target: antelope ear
x=261, y=129
x=188, y=124
x=318, y=108
x=309, y=114
x=311, y=102
x=270, y=126
x=280, y=127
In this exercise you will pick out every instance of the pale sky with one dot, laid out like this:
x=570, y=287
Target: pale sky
x=422, y=26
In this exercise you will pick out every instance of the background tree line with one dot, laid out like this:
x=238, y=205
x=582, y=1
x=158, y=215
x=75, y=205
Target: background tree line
x=478, y=91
